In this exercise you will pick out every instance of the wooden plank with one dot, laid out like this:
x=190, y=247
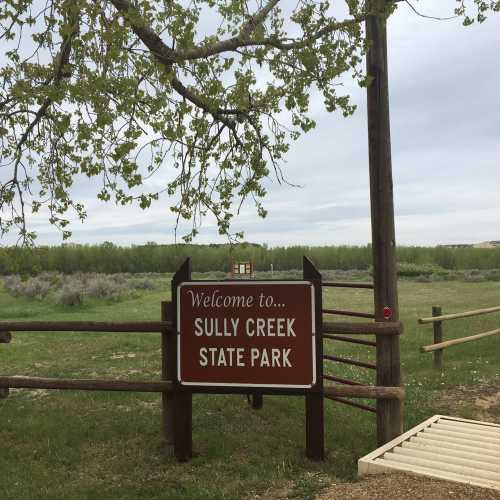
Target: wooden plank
x=451, y=438
x=398, y=440
x=351, y=340
x=344, y=312
x=350, y=284
x=444, y=455
x=477, y=455
x=182, y=400
x=450, y=458
x=86, y=326
x=388, y=466
x=424, y=439
x=365, y=391
x=466, y=314
x=438, y=465
x=463, y=340
x=315, y=437
x=361, y=364
x=5, y=337
x=462, y=434
x=84, y=384
x=376, y=328
x=481, y=426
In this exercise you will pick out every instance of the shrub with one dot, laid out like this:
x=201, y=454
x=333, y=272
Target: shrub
x=98, y=288
x=69, y=296
x=493, y=275
x=13, y=285
x=102, y=288
x=36, y=288
x=141, y=284
x=411, y=270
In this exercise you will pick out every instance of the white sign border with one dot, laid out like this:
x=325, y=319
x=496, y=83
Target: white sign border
x=239, y=282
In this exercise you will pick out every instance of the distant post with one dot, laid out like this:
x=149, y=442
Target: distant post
x=437, y=327
x=389, y=412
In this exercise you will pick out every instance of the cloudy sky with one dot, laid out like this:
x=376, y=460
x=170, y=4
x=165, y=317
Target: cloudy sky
x=445, y=118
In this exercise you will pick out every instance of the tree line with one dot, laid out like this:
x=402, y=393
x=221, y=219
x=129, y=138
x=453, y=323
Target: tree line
x=110, y=258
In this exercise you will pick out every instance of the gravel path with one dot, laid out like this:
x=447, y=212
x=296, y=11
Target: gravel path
x=405, y=487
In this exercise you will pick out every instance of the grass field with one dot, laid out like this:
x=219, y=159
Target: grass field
x=86, y=445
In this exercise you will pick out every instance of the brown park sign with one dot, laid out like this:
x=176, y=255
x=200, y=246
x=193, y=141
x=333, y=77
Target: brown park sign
x=252, y=334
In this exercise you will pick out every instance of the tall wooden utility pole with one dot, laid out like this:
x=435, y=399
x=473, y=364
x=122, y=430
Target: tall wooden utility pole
x=389, y=412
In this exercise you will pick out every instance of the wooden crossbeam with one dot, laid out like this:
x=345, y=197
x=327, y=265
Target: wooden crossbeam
x=84, y=384
x=463, y=340
x=364, y=391
x=86, y=326
x=375, y=328
x=465, y=314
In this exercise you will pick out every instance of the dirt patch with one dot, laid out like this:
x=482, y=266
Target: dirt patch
x=405, y=487
x=481, y=402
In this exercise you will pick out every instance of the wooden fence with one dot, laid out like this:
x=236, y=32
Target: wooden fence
x=439, y=344
x=177, y=402
x=387, y=367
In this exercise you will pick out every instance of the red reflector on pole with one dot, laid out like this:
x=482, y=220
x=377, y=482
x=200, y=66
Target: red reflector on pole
x=387, y=313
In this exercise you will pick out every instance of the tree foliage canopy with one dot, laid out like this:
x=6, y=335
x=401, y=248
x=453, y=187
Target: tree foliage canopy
x=210, y=92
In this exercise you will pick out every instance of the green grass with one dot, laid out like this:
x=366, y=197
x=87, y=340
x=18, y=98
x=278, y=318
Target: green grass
x=85, y=445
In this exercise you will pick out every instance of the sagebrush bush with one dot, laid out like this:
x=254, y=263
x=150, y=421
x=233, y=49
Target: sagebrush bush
x=103, y=288
x=36, y=288
x=142, y=284
x=69, y=295
x=13, y=284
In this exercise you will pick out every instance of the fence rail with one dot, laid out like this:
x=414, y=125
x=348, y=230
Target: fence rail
x=84, y=384
x=351, y=340
x=364, y=391
x=355, y=314
x=373, y=328
x=463, y=340
x=360, y=406
x=439, y=344
x=86, y=326
x=465, y=314
x=361, y=364
x=340, y=380
x=341, y=284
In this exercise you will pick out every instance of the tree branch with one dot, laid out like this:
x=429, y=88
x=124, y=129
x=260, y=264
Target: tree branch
x=235, y=43
x=166, y=56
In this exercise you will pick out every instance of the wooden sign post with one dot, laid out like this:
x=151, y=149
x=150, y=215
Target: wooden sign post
x=254, y=337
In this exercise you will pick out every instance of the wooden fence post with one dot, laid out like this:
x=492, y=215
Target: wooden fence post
x=315, y=439
x=257, y=401
x=168, y=360
x=182, y=398
x=389, y=411
x=437, y=327
x=5, y=338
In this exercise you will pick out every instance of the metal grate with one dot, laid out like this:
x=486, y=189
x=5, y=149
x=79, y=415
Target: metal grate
x=453, y=449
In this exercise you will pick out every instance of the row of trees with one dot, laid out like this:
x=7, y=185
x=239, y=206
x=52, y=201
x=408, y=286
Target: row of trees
x=108, y=258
